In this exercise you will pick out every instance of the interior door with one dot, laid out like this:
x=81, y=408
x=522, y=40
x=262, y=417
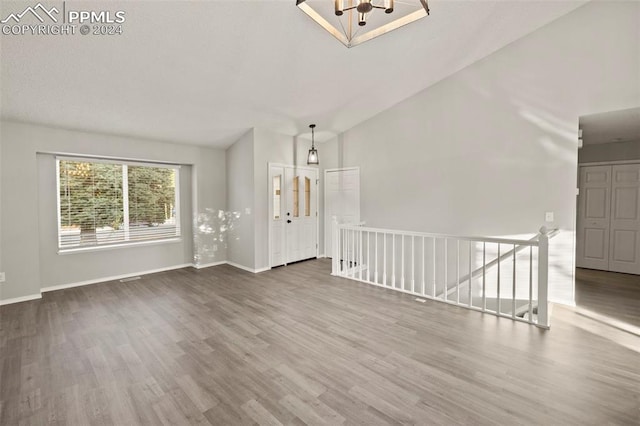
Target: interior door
x=625, y=219
x=341, y=200
x=593, y=227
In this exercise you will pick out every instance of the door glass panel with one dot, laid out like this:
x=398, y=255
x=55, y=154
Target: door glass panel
x=296, y=198
x=307, y=196
x=277, y=210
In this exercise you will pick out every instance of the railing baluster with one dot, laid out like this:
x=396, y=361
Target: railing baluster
x=513, y=307
x=470, y=275
x=384, y=260
x=402, y=267
x=457, y=272
x=498, y=291
x=543, y=278
x=356, y=241
x=368, y=256
x=347, y=253
x=360, y=241
x=445, y=291
x=484, y=277
x=413, y=266
x=345, y=261
x=434, y=268
x=531, y=284
x=423, y=268
x=344, y=252
x=375, y=273
x=393, y=261
x=353, y=252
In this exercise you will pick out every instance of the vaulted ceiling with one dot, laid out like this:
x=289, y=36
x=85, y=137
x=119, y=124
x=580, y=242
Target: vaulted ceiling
x=205, y=72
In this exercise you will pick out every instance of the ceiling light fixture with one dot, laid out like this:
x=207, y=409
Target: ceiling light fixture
x=312, y=158
x=355, y=21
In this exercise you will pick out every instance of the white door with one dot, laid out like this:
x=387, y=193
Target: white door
x=625, y=219
x=592, y=239
x=341, y=200
x=293, y=213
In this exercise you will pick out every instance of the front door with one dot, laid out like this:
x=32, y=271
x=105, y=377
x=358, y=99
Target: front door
x=294, y=214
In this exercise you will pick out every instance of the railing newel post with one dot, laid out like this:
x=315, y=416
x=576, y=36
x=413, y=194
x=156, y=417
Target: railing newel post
x=543, y=278
x=335, y=261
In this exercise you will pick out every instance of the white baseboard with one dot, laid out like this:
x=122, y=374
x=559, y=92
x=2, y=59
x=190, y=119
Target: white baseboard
x=113, y=278
x=246, y=268
x=208, y=265
x=119, y=277
x=20, y=299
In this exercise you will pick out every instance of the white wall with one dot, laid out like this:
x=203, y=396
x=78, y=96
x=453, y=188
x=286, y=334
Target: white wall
x=615, y=151
x=240, y=202
x=492, y=148
x=1, y=210
x=29, y=257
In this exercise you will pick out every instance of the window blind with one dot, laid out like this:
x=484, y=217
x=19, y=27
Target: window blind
x=104, y=202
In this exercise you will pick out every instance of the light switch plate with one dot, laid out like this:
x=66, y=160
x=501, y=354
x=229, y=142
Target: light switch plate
x=548, y=217
x=2, y=277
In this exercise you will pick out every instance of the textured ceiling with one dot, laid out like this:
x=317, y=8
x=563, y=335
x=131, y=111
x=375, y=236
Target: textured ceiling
x=205, y=72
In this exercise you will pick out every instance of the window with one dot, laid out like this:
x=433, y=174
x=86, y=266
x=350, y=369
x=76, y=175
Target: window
x=103, y=202
x=296, y=196
x=276, y=197
x=307, y=196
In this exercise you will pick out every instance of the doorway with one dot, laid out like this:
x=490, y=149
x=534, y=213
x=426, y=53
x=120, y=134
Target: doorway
x=608, y=225
x=608, y=202
x=293, y=214
x=341, y=200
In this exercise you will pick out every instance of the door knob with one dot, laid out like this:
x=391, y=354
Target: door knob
x=288, y=220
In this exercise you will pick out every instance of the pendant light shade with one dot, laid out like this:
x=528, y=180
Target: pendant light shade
x=312, y=158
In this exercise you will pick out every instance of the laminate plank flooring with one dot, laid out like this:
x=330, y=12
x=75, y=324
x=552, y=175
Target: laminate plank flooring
x=295, y=346
x=609, y=293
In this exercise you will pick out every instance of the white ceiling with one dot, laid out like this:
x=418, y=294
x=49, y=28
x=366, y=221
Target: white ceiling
x=205, y=72
x=611, y=127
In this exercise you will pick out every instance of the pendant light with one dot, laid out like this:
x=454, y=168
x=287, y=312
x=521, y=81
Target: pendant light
x=312, y=158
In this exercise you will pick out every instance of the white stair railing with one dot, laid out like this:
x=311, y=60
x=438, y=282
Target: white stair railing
x=501, y=276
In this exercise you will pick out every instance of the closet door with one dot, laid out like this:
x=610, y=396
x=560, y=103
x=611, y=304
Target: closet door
x=594, y=207
x=624, y=247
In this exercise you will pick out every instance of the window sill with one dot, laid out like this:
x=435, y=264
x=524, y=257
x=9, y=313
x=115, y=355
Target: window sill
x=118, y=246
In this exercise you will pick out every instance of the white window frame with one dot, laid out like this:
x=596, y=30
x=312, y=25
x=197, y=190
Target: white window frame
x=125, y=206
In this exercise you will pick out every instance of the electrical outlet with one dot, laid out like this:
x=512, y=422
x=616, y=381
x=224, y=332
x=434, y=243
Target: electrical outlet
x=548, y=217
x=215, y=247
x=2, y=277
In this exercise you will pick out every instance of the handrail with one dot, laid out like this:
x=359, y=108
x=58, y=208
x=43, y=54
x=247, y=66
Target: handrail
x=518, y=249
x=530, y=242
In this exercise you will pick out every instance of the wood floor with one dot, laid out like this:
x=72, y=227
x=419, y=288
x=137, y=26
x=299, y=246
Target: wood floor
x=296, y=346
x=608, y=293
